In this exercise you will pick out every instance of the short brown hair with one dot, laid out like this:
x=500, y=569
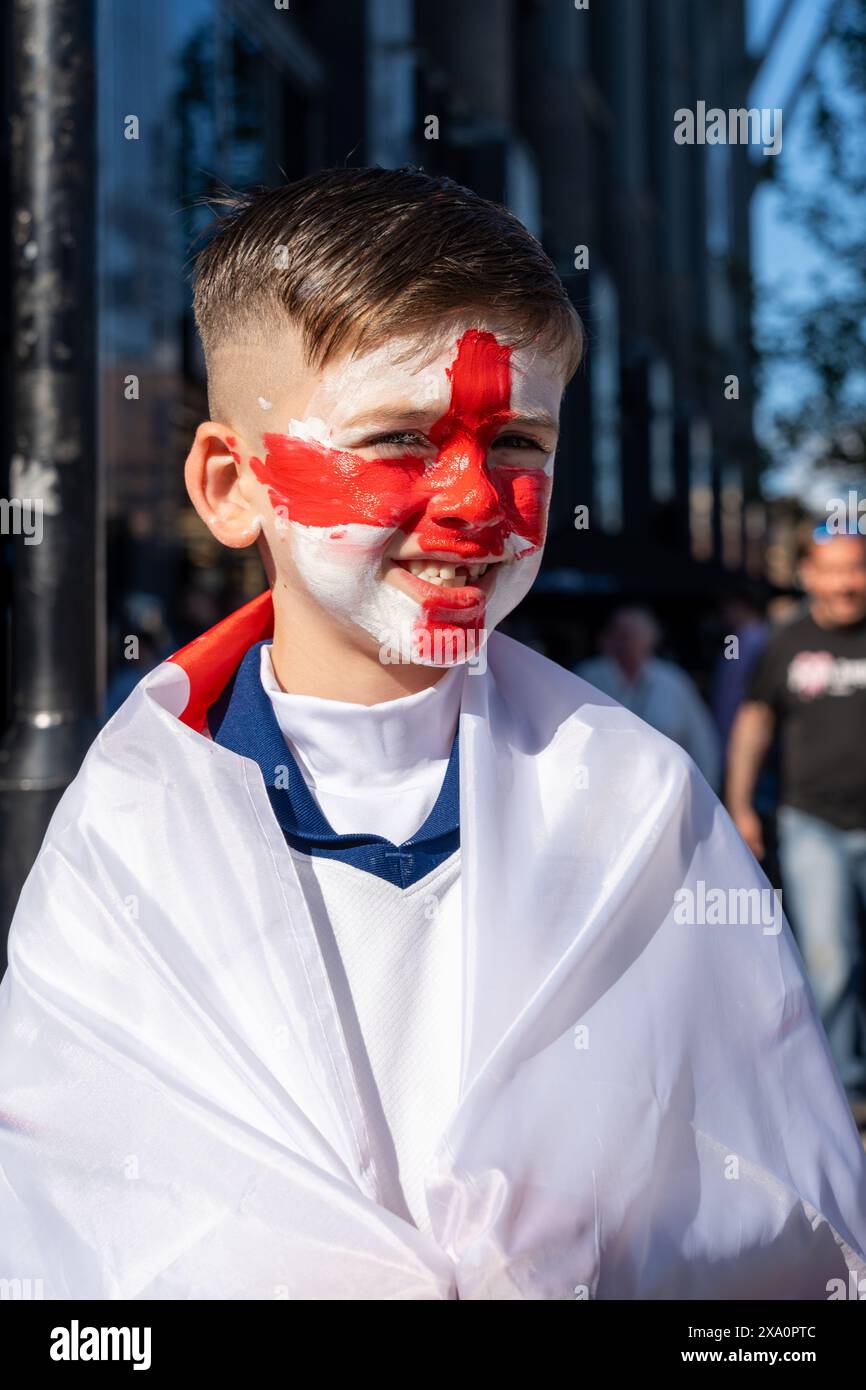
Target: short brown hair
x=367, y=254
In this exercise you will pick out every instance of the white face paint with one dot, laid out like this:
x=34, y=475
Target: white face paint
x=414, y=464
x=345, y=577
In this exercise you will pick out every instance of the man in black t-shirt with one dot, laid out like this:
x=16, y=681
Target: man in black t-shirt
x=811, y=684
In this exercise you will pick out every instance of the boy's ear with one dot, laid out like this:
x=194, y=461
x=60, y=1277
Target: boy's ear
x=212, y=474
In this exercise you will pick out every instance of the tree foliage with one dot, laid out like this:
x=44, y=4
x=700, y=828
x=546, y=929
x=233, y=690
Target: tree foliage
x=822, y=333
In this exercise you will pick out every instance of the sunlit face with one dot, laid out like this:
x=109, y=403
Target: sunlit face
x=834, y=574
x=410, y=497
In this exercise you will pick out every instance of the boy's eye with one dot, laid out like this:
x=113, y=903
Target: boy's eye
x=519, y=442
x=533, y=452
x=396, y=442
x=406, y=437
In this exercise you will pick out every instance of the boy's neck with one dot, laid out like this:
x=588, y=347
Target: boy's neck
x=328, y=664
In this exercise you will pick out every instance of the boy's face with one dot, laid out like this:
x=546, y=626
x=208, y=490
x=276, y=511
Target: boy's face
x=406, y=498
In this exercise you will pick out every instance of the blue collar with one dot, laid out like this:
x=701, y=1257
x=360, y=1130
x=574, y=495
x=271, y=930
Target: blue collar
x=243, y=720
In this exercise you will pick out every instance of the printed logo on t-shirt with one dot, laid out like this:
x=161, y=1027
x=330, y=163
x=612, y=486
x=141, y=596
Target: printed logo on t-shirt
x=820, y=673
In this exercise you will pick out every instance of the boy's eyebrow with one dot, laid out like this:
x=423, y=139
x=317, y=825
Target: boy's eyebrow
x=401, y=417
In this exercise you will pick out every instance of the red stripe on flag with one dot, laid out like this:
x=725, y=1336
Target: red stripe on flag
x=211, y=660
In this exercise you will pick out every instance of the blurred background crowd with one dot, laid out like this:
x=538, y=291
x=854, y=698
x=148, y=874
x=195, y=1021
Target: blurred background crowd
x=716, y=422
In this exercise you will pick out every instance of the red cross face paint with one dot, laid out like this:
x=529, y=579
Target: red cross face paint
x=414, y=496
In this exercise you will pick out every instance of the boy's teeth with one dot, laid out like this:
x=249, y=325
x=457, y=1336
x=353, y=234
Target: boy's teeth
x=441, y=572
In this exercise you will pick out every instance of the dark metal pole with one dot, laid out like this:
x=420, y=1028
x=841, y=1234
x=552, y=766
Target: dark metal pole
x=57, y=581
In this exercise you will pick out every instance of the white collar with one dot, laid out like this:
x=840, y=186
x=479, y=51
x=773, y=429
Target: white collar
x=356, y=757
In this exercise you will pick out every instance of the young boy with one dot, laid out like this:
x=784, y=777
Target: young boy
x=371, y=955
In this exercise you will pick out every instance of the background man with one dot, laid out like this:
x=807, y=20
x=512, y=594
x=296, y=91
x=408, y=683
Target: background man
x=655, y=690
x=811, y=684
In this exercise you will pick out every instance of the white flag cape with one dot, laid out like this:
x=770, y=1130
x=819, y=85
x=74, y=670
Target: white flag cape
x=648, y=1108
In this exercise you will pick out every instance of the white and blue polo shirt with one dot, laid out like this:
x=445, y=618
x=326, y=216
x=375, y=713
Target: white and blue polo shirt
x=389, y=925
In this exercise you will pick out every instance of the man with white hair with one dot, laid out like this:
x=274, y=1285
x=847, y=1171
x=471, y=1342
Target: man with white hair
x=656, y=691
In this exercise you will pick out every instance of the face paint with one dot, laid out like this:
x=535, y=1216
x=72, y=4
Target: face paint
x=347, y=514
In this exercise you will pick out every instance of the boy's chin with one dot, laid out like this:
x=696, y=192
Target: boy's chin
x=441, y=647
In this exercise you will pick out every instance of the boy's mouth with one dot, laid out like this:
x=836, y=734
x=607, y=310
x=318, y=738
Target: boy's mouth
x=450, y=575
x=465, y=583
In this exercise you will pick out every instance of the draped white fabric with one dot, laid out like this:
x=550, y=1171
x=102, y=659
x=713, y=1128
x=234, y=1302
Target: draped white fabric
x=648, y=1107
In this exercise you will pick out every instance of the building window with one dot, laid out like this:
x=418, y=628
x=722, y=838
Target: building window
x=605, y=399
x=701, y=489
x=522, y=188
x=718, y=176
x=391, y=116
x=732, y=516
x=661, y=395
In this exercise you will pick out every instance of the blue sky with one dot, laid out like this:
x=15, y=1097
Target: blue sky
x=782, y=255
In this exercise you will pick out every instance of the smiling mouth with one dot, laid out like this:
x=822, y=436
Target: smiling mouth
x=454, y=588
x=450, y=574
x=443, y=572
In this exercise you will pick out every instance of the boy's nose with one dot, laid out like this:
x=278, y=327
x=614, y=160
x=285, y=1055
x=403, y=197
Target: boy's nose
x=462, y=489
